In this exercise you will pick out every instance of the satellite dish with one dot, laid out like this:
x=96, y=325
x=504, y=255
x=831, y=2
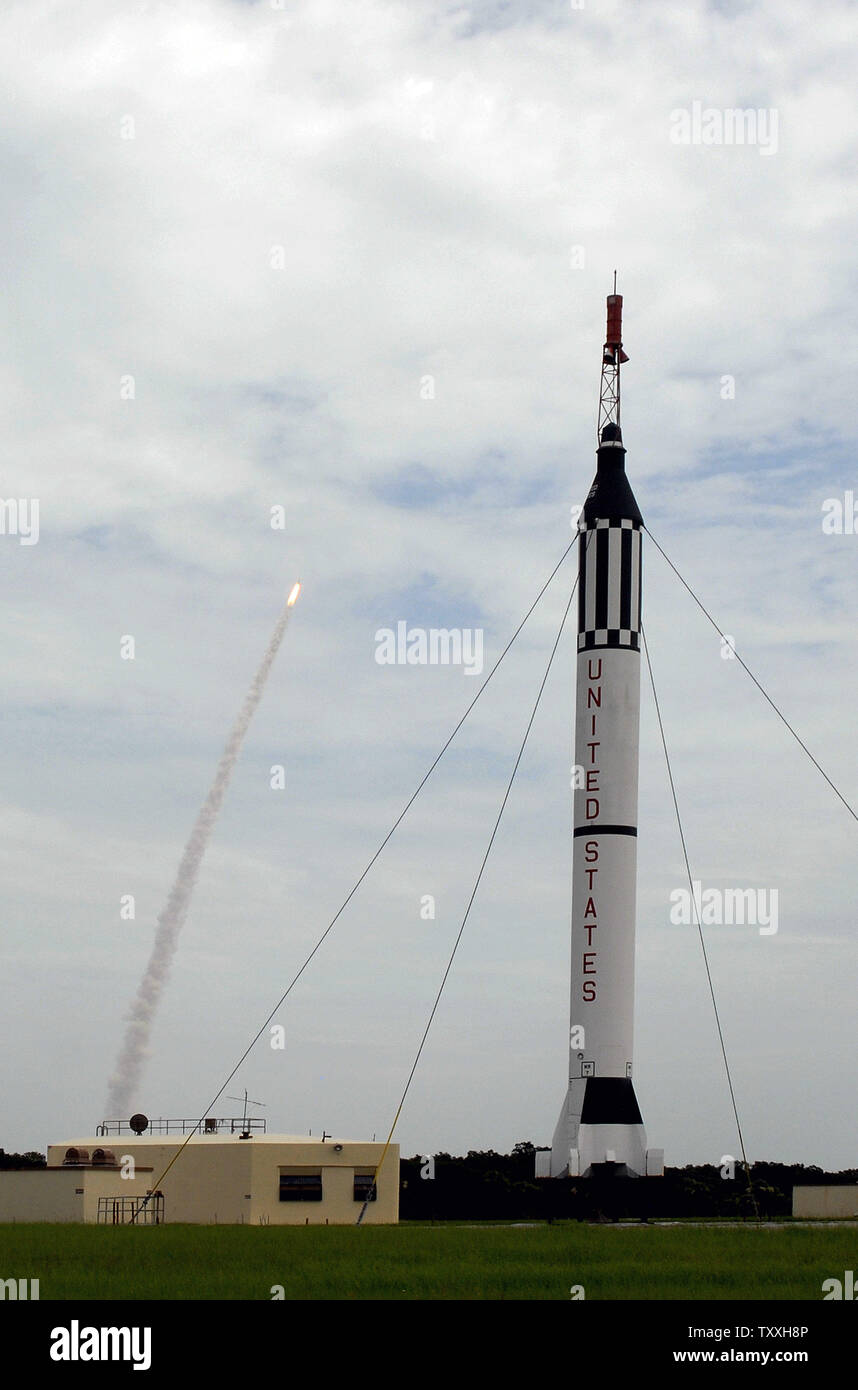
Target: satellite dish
x=138, y=1123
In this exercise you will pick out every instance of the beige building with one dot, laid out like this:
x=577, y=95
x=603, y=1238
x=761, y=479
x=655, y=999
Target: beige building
x=833, y=1200
x=259, y=1180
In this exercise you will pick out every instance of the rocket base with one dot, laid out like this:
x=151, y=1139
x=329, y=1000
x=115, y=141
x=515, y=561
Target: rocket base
x=600, y=1128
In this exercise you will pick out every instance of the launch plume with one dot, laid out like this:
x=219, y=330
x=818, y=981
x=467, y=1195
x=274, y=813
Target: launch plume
x=135, y=1047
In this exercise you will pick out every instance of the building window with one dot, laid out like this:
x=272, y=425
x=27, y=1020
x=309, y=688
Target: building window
x=301, y=1187
x=364, y=1188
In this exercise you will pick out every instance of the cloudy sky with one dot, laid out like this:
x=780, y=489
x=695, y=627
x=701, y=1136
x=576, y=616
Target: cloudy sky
x=351, y=262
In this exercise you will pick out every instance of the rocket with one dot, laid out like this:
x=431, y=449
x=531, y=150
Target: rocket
x=600, y=1123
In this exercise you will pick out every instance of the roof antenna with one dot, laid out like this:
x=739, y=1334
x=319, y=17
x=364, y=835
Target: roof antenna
x=245, y=1126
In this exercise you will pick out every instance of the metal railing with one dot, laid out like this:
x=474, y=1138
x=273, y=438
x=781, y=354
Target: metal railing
x=231, y=1124
x=131, y=1211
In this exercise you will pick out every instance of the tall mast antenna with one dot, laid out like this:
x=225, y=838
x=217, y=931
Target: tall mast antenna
x=612, y=357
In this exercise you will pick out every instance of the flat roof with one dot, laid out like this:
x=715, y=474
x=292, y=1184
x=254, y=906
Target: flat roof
x=113, y=1141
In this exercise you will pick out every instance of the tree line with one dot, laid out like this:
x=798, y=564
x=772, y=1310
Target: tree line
x=491, y=1186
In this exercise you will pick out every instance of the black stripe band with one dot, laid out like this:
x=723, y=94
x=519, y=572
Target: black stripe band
x=613, y=639
x=583, y=546
x=626, y=579
x=610, y=1100
x=605, y=830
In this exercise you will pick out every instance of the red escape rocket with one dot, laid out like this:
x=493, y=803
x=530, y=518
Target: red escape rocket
x=600, y=1122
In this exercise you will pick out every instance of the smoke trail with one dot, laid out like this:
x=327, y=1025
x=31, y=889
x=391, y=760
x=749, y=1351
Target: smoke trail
x=135, y=1048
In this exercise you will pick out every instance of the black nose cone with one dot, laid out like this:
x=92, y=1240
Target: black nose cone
x=611, y=497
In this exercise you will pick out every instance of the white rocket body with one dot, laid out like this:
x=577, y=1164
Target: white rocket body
x=600, y=1122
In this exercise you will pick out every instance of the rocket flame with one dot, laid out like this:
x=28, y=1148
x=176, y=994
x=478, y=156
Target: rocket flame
x=291, y=600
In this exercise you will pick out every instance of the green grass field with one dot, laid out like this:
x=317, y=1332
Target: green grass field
x=419, y=1262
